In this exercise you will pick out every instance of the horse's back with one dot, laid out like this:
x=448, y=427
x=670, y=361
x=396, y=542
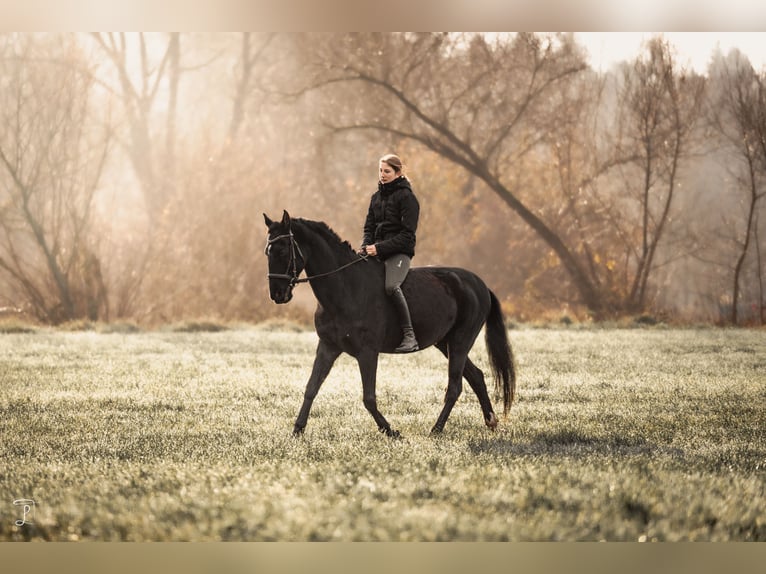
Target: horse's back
x=463, y=285
x=469, y=278
x=442, y=299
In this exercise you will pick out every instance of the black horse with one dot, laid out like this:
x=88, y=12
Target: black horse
x=449, y=306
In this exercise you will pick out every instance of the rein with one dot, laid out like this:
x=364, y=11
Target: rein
x=292, y=266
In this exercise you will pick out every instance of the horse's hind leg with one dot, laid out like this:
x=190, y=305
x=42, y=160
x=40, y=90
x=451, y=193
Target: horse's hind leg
x=475, y=378
x=368, y=367
x=323, y=362
x=457, y=361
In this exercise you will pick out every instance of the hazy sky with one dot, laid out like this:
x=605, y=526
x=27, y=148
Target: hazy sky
x=694, y=48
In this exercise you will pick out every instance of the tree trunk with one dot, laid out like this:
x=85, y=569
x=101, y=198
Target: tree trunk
x=745, y=246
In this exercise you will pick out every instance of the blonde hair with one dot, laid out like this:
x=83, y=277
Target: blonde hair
x=394, y=161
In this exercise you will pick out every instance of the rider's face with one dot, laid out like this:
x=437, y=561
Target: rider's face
x=387, y=173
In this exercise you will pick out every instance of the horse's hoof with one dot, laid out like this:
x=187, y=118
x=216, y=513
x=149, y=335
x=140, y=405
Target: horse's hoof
x=391, y=433
x=436, y=431
x=491, y=421
x=298, y=431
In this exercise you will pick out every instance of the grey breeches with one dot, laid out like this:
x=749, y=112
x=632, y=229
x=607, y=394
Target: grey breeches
x=397, y=267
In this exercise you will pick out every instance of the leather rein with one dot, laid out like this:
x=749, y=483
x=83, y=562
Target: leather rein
x=292, y=272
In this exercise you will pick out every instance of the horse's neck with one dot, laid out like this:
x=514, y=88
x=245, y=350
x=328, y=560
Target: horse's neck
x=325, y=257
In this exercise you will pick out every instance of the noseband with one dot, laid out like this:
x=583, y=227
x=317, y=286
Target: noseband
x=292, y=267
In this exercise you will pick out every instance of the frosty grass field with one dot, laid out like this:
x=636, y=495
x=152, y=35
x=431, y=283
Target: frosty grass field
x=617, y=434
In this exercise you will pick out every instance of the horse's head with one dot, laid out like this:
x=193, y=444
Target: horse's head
x=285, y=259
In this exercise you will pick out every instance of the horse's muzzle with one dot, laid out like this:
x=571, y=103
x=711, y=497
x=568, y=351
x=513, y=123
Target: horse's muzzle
x=282, y=296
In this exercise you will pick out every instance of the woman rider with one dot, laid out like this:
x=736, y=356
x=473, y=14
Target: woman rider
x=389, y=233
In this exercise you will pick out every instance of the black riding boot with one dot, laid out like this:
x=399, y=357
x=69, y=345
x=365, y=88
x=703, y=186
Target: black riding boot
x=409, y=343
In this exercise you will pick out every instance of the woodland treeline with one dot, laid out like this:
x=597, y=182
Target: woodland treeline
x=135, y=168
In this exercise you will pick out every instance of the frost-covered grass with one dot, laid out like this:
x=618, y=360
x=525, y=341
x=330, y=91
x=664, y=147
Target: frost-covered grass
x=638, y=434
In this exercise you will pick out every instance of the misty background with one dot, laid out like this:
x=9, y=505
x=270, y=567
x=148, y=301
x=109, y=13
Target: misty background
x=135, y=168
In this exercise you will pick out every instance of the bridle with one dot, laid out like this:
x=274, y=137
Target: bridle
x=291, y=274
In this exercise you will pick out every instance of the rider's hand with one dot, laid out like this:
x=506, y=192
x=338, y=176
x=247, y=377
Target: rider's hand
x=371, y=250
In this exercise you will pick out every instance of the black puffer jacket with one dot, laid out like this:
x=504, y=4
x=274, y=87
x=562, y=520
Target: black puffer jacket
x=392, y=219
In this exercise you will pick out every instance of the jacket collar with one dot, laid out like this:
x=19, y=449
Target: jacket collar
x=400, y=182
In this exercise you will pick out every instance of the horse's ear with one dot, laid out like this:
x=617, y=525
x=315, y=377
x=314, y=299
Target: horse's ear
x=268, y=221
x=285, y=218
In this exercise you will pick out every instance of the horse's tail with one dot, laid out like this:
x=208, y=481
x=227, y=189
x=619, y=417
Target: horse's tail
x=500, y=354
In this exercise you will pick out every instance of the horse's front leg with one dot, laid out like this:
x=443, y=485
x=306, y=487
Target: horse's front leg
x=323, y=362
x=368, y=367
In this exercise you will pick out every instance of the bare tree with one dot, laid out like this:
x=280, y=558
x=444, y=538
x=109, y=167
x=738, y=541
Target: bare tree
x=143, y=74
x=738, y=112
x=148, y=69
x=583, y=156
x=53, y=149
x=662, y=107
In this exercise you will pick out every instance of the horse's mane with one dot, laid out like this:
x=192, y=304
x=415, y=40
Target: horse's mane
x=321, y=228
